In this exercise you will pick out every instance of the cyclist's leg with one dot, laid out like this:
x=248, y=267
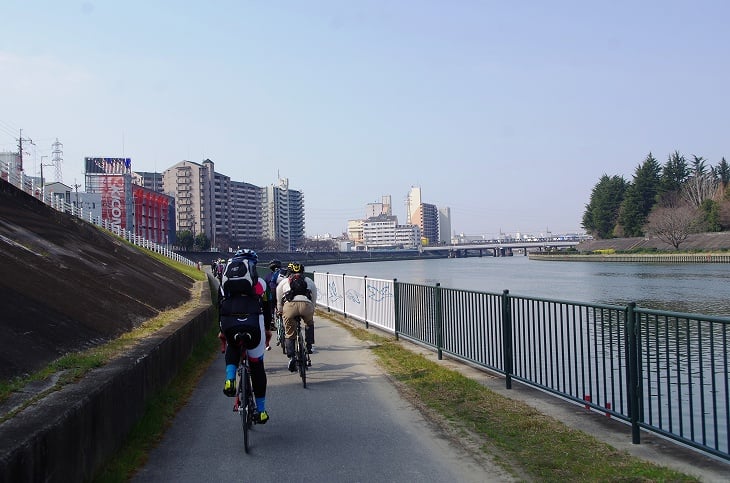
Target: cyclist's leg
x=228, y=327
x=289, y=313
x=255, y=327
x=307, y=311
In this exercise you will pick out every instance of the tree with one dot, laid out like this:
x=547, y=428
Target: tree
x=722, y=171
x=202, y=242
x=701, y=185
x=601, y=214
x=673, y=224
x=710, y=211
x=674, y=173
x=185, y=239
x=640, y=197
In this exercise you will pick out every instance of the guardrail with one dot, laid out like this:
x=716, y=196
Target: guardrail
x=26, y=184
x=664, y=372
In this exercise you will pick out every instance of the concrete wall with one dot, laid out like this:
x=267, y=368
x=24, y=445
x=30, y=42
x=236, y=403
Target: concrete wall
x=70, y=434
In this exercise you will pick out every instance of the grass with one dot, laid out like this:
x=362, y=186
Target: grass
x=73, y=366
x=525, y=442
x=159, y=414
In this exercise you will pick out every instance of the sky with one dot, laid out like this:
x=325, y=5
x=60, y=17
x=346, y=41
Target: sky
x=506, y=112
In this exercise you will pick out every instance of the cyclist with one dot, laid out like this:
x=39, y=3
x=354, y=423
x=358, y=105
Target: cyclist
x=296, y=296
x=271, y=279
x=241, y=310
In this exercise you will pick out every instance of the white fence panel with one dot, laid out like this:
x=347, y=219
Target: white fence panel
x=369, y=300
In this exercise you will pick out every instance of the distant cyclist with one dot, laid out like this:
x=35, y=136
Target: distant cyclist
x=296, y=296
x=272, y=279
x=242, y=294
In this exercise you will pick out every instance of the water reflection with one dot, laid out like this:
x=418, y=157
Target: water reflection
x=694, y=288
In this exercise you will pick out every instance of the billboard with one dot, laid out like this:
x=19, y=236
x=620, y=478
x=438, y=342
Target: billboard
x=108, y=165
x=113, y=200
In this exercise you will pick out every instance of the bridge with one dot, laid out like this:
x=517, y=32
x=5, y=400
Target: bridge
x=498, y=248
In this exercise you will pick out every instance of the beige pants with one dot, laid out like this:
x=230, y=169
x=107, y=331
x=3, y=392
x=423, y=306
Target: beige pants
x=291, y=310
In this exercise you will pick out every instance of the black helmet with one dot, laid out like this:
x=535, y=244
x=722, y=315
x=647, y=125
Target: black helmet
x=284, y=271
x=295, y=267
x=274, y=264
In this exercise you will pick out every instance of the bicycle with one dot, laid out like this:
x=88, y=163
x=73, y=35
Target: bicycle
x=301, y=354
x=245, y=403
x=280, y=333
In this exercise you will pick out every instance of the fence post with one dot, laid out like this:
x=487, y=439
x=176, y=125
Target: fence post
x=439, y=321
x=633, y=379
x=396, y=302
x=507, y=338
x=344, y=299
x=327, y=284
x=365, y=302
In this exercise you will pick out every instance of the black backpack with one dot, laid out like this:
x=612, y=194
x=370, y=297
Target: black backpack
x=239, y=277
x=297, y=286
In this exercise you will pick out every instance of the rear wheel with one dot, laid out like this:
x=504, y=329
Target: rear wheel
x=302, y=359
x=245, y=409
x=280, y=333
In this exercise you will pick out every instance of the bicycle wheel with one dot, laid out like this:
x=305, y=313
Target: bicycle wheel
x=302, y=358
x=281, y=334
x=243, y=405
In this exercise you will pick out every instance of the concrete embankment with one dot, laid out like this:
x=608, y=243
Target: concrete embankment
x=71, y=433
x=637, y=258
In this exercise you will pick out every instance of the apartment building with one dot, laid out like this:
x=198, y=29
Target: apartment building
x=384, y=232
x=283, y=215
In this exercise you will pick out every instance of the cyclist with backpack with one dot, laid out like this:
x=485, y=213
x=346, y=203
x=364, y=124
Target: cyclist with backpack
x=241, y=308
x=271, y=279
x=296, y=296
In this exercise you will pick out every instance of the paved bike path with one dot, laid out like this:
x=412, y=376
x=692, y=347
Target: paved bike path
x=349, y=424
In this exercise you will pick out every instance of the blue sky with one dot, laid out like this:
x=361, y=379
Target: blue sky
x=508, y=112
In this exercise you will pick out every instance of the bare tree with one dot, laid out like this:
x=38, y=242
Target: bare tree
x=673, y=224
x=701, y=185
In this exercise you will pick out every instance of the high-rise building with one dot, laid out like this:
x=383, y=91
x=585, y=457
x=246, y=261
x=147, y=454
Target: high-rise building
x=151, y=181
x=192, y=185
x=246, y=202
x=445, y=225
x=427, y=219
x=413, y=201
x=283, y=215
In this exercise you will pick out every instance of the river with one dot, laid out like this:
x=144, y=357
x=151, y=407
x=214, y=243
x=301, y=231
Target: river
x=695, y=288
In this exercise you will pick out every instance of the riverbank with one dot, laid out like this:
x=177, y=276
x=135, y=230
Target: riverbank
x=635, y=257
x=705, y=242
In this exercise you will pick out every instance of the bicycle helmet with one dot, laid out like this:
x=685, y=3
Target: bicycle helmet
x=274, y=264
x=247, y=254
x=295, y=267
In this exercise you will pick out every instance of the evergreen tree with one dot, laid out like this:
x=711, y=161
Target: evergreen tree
x=640, y=197
x=710, y=215
x=723, y=173
x=601, y=214
x=674, y=173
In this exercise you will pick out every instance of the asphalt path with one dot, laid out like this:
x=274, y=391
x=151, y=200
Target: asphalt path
x=350, y=424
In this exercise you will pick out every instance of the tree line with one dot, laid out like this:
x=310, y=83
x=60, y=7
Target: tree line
x=200, y=242
x=668, y=202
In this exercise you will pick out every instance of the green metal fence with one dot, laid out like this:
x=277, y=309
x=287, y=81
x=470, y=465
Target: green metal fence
x=664, y=372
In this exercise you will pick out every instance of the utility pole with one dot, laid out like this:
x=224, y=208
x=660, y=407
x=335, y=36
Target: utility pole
x=20, y=149
x=43, y=181
x=76, y=187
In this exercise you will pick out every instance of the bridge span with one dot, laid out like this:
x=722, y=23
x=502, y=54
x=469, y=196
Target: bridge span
x=502, y=249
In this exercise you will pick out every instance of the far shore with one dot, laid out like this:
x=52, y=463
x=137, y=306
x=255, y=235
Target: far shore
x=635, y=257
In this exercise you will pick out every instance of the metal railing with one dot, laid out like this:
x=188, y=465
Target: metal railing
x=28, y=185
x=664, y=372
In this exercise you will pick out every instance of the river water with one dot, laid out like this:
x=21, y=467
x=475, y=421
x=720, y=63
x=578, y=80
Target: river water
x=695, y=288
